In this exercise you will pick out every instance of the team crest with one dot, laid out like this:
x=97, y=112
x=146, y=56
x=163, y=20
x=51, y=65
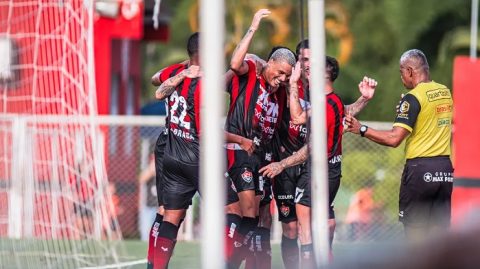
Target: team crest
x=285, y=210
x=247, y=176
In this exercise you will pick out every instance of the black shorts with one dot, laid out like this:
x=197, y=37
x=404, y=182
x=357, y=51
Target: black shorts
x=159, y=150
x=284, y=188
x=425, y=192
x=232, y=196
x=244, y=171
x=303, y=190
x=180, y=183
x=265, y=185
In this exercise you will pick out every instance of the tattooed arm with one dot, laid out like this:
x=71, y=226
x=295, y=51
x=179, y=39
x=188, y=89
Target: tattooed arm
x=168, y=86
x=237, y=63
x=156, y=77
x=367, y=89
x=276, y=168
x=297, y=114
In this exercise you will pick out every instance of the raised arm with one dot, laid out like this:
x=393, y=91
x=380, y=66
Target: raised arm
x=237, y=63
x=367, y=89
x=297, y=114
x=273, y=169
x=168, y=86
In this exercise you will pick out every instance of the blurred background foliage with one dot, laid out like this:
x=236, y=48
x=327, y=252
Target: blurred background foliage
x=366, y=36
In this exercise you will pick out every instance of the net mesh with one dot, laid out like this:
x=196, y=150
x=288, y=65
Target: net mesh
x=56, y=210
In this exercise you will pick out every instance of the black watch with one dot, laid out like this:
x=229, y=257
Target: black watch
x=363, y=130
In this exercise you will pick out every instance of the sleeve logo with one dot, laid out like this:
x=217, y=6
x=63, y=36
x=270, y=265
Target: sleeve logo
x=404, y=107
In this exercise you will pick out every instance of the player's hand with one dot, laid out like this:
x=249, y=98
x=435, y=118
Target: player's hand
x=296, y=73
x=259, y=62
x=353, y=125
x=247, y=145
x=262, y=13
x=367, y=87
x=397, y=108
x=193, y=72
x=271, y=170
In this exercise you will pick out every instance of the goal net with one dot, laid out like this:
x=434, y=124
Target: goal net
x=56, y=210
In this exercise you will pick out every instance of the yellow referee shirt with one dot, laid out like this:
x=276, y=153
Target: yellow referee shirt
x=426, y=111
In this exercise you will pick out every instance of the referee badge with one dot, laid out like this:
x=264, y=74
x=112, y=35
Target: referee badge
x=247, y=176
x=404, y=107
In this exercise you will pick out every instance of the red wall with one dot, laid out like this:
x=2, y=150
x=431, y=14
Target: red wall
x=466, y=138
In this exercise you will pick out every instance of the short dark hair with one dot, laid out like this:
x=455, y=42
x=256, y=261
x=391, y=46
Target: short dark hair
x=301, y=45
x=192, y=44
x=332, y=68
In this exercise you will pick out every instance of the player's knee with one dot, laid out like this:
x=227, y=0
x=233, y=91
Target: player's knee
x=290, y=230
x=233, y=208
x=173, y=216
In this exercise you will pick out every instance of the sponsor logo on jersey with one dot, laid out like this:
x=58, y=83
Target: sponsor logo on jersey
x=285, y=210
x=443, y=122
x=438, y=94
x=247, y=176
x=443, y=108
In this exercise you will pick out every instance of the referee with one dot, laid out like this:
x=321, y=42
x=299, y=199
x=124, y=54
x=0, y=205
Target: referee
x=425, y=117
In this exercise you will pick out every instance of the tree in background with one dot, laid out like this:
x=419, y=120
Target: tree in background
x=366, y=36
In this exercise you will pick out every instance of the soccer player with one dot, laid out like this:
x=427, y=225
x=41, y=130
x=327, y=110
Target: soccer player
x=425, y=117
x=256, y=102
x=180, y=171
x=292, y=186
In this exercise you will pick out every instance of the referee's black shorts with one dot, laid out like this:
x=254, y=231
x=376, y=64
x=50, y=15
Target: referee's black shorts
x=425, y=192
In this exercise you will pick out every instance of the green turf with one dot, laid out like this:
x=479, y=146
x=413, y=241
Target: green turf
x=187, y=255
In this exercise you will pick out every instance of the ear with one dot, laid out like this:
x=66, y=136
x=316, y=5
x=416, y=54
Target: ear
x=410, y=71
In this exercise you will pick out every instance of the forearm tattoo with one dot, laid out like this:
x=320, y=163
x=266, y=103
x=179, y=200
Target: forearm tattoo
x=355, y=108
x=297, y=158
x=168, y=87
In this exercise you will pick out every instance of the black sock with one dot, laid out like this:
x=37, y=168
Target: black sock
x=290, y=252
x=168, y=230
x=247, y=228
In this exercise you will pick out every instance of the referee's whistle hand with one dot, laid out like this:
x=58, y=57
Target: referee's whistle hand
x=353, y=125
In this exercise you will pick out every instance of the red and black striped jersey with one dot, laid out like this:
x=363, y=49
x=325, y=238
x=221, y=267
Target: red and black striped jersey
x=335, y=115
x=165, y=74
x=254, y=111
x=291, y=137
x=183, y=117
